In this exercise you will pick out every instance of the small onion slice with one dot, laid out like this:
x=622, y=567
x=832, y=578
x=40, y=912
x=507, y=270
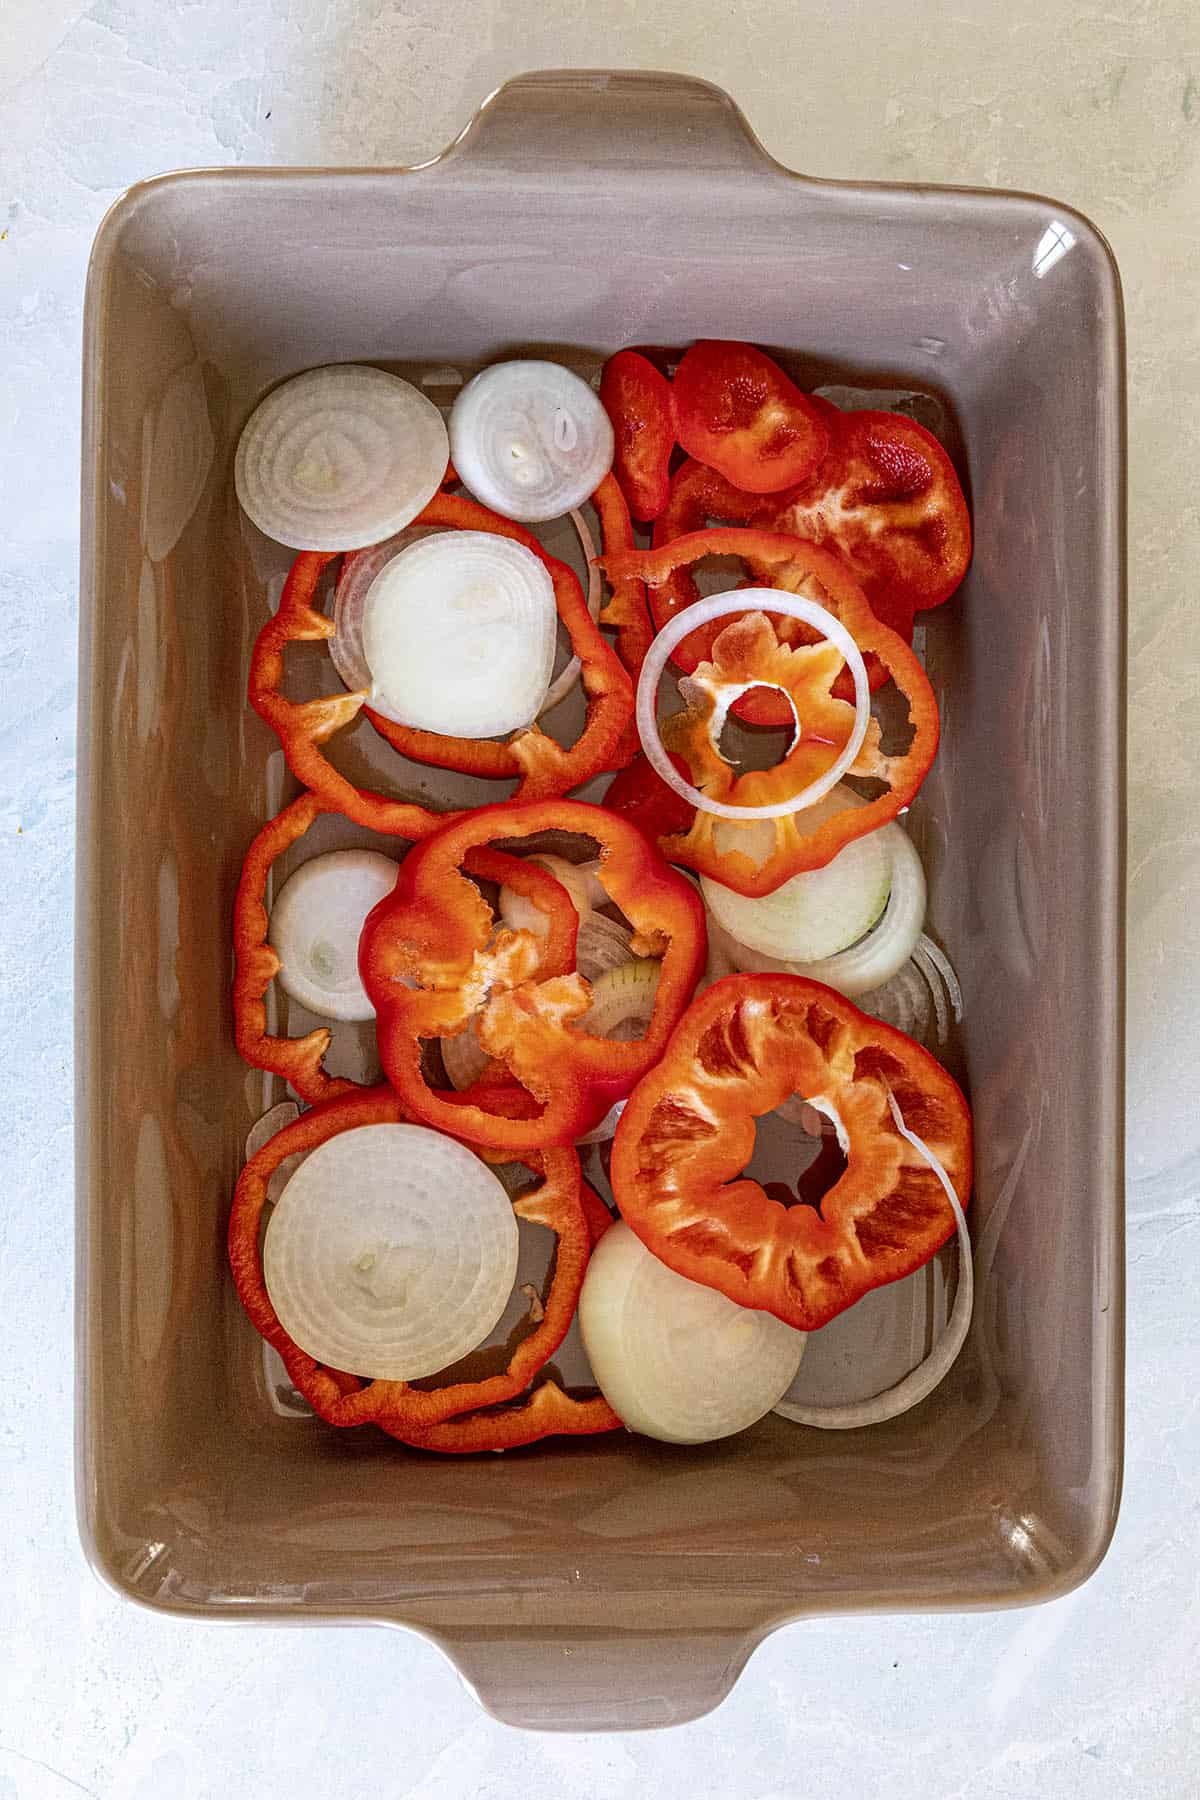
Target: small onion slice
x=459, y=632
x=721, y=606
x=464, y=1057
x=391, y=1253
x=818, y=913
x=621, y=1007
x=677, y=1361
x=530, y=439
x=316, y=922
x=339, y=457
x=871, y=962
x=921, y=1381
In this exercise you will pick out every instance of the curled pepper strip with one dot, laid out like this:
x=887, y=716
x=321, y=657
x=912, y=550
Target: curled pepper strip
x=343, y=1399
x=742, y=1049
x=744, y=654
x=626, y=607
x=432, y=960
x=300, y=1060
x=547, y=1412
x=543, y=766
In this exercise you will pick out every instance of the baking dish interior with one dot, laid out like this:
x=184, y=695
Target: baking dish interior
x=201, y=1489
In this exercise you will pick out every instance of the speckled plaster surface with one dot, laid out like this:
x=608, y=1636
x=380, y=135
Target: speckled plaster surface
x=1095, y=1695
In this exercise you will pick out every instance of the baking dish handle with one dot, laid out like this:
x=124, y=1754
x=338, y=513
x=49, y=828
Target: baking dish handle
x=610, y=1679
x=597, y=118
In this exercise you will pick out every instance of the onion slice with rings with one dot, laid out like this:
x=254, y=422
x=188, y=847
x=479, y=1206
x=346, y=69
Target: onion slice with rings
x=725, y=605
x=921, y=1381
x=458, y=632
x=391, y=1252
x=675, y=1360
x=315, y=925
x=530, y=439
x=339, y=457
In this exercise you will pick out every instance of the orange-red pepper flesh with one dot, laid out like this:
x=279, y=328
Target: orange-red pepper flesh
x=300, y=1061
x=344, y=1399
x=737, y=411
x=641, y=407
x=432, y=960
x=744, y=1047
x=795, y=845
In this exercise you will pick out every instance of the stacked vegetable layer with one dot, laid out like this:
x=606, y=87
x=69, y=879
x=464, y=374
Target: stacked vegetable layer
x=545, y=973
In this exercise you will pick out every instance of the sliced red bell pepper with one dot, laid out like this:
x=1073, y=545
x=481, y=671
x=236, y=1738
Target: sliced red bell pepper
x=543, y=766
x=641, y=407
x=744, y=1047
x=432, y=960
x=887, y=498
x=737, y=411
x=546, y=1412
x=746, y=652
x=700, y=498
x=638, y=792
x=345, y=1399
x=300, y=1060
x=626, y=608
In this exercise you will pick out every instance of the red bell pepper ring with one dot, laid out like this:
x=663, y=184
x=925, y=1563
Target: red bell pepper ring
x=547, y=1412
x=887, y=498
x=746, y=652
x=432, y=961
x=737, y=411
x=300, y=1061
x=638, y=792
x=626, y=609
x=641, y=407
x=544, y=767
x=744, y=1047
x=344, y=1399
x=701, y=498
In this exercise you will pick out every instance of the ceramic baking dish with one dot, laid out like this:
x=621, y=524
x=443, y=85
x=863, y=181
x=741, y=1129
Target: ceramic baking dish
x=614, y=1582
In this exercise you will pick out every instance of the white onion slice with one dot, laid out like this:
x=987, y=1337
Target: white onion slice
x=520, y=913
x=874, y=960
x=316, y=922
x=458, y=632
x=820, y=912
x=603, y=945
x=562, y=684
x=530, y=439
x=721, y=606
x=354, y=584
x=340, y=457
x=621, y=1007
x=391, y=1253
x=675, y=1360
x=922, y=1380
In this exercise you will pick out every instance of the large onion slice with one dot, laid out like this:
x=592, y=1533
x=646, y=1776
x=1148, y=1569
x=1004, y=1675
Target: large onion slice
x=820, y=912
x=459, y=632
x=353, y=585
x=316, y=922
x=391, y=1253
x=878, y=956
x=675, y=1360
x=721, y=606
x=922, y=1380
x=530, y=439
x=340, y=457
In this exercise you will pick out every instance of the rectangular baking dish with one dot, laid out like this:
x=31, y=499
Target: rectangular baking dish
x=616, y=1582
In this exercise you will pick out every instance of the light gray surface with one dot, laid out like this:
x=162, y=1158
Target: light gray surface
x=1095, y=1695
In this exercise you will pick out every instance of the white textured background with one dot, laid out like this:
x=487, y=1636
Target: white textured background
x=1094, y=1696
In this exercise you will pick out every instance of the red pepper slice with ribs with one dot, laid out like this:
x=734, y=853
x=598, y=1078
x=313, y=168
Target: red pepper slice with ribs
x=641, y=407
x=688, y=1131
x=432, y=960
x=739, y=413
x=544, y=767
x=747, y=652
x=300, y=1061
x=345, y=1399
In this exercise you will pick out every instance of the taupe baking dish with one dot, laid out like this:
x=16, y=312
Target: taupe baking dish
x=614, y=1582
